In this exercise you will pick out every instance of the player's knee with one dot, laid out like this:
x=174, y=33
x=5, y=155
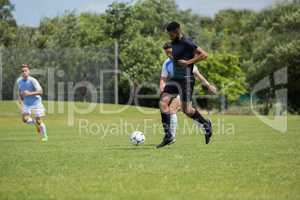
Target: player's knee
x=164, y=101
x=189, y=114
x=173, y=111
x=174, y=108
x=163, y=105
x=188, y=111
x=38, y=120
x=185, y=111
x=25, y=119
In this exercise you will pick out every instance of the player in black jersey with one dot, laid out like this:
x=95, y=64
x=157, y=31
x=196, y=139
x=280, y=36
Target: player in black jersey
x=185, y=54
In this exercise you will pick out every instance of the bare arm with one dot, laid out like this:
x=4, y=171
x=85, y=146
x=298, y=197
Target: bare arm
x=20, y=99
x=201, y=78
x=27, y=93
x=162, y=84
x=38, y=89
x=200, y=54
x=204, y=82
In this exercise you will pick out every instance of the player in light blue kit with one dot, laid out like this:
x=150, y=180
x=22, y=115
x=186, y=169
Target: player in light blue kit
x=30, y=92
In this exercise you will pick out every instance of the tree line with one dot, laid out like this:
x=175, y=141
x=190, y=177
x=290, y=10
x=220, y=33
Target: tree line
x=244, y=46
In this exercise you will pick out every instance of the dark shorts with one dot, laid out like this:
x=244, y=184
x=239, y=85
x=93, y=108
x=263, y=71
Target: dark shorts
x=182, y=87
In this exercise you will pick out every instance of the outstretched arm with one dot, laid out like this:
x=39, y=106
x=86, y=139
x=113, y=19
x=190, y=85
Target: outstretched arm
x=203, y=81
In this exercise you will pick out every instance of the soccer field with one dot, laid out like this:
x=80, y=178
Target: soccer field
x=253, y=162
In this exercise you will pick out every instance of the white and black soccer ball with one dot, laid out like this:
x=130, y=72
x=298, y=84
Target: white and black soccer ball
x=137, y=138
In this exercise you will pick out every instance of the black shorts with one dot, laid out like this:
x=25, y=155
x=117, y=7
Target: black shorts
x=182, y=87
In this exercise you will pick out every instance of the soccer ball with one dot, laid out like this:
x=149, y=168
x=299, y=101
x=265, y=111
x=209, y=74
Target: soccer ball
x=137, y=138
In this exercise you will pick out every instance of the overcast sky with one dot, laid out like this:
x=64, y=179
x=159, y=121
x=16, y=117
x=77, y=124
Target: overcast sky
x=30, y=12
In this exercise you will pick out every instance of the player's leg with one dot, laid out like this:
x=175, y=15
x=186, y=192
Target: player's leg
x=190, y=111
x=174, y=107
x=27, y=119
x=164, y=103
x=170, y=91
x=193, y=113
x=39, y=113
x=42, y=128
x=26, y=116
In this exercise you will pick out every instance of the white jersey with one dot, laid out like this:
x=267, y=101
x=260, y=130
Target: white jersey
x=168, y=69
x=31, y=104
x=30, y=84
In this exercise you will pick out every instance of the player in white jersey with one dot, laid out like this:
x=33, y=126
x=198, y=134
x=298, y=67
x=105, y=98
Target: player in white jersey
x=30, y=92
x=167, y=73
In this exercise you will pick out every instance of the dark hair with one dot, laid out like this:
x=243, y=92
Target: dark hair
x=173, y=26
x=167, y=45
x=25, y=65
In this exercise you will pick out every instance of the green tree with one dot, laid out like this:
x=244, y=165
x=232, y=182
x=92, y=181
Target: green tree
x=118, y=20
x=223, y=69
x=60, y=32
x=141, y=61
x=274, y=45
x=7, y=23
x=91, y=29
x=153, y=15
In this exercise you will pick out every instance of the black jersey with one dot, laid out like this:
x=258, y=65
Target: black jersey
x=183, y=49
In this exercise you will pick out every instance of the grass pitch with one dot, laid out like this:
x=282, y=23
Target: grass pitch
x=94, y=160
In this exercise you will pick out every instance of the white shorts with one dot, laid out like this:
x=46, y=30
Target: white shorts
x=38, y=111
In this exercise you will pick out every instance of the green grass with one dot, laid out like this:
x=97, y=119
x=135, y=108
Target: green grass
x=254, y=162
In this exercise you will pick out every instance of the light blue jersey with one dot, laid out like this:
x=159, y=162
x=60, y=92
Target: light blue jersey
x=30, y=84
x=168, y=69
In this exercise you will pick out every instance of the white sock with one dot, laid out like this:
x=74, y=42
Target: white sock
x=30, y=121
x=43, y=129
x=173, y=124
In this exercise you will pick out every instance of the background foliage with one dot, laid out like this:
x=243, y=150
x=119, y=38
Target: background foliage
x=244, y=46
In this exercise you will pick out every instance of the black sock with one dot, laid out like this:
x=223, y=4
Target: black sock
x=199, y=118
x=166, y=121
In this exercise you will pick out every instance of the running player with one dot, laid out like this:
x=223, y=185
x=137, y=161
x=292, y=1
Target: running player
x=166, y=74
x=30, y=93
x=185, y=54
